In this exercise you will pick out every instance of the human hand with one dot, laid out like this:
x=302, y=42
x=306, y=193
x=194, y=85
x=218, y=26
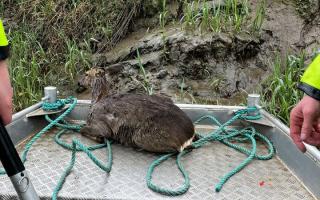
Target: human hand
x=6, y=94
x=305, y=123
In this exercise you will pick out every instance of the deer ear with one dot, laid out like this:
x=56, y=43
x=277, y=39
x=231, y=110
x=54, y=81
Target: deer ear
x=114, y=69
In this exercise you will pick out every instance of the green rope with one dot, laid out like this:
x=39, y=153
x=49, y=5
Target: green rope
x=65, y=145
x=55, y=106
x=183, y=189
x=242, y=165
x=43, y=131
x=224, y=135
x=74, y=147
x=47, y=128
x=65, y=124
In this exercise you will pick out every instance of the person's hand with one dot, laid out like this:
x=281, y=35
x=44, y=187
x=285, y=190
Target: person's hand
x=305, y=123
x=6, y=94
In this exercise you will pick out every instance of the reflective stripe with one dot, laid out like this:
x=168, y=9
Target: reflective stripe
x=312, y=75
x=3, y=38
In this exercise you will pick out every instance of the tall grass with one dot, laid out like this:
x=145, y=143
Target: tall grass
x=205, y=22
x=229, y=16
x=259, y=17
x=163, y=14
x=27, y=64
x=216, y=20
x=191, y=15
x=147, y=86
x=280, y=93
x=32, y=67
x=77, y=60
x=1, y=7
x=184, y=95
x=163, y=22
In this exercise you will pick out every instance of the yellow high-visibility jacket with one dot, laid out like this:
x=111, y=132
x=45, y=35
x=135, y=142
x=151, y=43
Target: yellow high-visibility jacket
x=4, y=45
x=310, y=81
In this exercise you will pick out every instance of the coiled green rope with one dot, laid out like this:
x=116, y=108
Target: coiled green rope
x=224, y=135
x=55, y=106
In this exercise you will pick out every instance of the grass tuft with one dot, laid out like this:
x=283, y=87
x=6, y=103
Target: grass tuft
x=163, y=14
x=259, y=17
x=280, y=93
x=27, y=68
x=145, y=82
x=215, y=16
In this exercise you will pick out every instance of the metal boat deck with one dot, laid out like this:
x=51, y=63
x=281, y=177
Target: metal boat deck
x=289, y=175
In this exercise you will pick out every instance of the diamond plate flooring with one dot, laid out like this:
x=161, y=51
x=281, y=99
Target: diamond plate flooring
x=260, y=180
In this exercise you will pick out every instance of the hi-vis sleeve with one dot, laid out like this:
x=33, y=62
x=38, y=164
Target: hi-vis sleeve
x=4, y=44
x=310, y=81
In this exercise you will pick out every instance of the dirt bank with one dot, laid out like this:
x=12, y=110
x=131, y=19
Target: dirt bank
x=207, y=67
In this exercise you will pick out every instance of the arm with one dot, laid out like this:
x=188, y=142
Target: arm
x=305, y=116
x=6, y=92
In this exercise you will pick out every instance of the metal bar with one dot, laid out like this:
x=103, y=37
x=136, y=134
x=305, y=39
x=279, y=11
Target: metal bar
x=23, y=113
x=215, y=107
x=8, y=154
x=22, y=184
x=14, y=167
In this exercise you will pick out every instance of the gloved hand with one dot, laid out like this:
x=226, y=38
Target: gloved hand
x=6, y=94
x=305, y=123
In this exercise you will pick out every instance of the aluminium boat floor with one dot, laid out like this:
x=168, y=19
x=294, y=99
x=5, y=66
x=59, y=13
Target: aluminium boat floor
x=260, y=180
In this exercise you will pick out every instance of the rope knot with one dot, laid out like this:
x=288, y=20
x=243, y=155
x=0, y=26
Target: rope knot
x=245, y=113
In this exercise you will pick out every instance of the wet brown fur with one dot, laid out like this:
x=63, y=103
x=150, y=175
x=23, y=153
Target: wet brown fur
x=153, y=123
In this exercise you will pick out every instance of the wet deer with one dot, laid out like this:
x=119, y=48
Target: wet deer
x=149, y=122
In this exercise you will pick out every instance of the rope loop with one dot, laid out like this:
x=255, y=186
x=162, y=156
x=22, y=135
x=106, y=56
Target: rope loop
x=228, y=136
